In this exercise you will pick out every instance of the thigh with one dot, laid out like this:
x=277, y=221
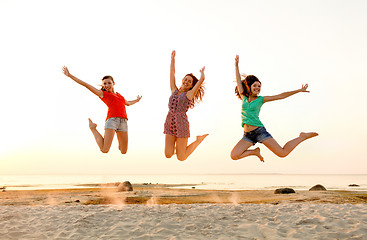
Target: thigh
x=108, y=137
x=273, y=145
x=181, y=145
x=241, y=146
x=169, y=147
x=123, y=139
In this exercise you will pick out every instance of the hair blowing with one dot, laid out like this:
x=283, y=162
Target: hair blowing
x=246, y=85
x=199, y=94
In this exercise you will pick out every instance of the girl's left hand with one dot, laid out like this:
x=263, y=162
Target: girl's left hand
x=202, y=70
x=304, y=88
x=138, y=98
x=202, y=73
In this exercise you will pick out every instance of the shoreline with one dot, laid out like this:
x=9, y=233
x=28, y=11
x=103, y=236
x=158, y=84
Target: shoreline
x=159, y=194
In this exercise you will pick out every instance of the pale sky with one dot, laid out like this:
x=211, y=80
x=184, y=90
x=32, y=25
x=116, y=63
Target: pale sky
x=44, y=115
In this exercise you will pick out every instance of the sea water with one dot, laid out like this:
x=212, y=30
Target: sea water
x=202, y=181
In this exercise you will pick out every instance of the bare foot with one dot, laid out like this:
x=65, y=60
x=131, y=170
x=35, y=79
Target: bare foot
x=308, y=135
x=257, y=153
x=92, y=125
x=201, y=137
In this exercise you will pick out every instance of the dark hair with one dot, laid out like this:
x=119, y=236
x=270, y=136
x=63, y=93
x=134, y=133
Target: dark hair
x=107, y=77
x=246, y=85
x=199, y=94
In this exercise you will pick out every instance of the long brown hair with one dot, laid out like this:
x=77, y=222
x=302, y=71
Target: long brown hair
x=107, y=77
x=246, y=85
x=199, y=94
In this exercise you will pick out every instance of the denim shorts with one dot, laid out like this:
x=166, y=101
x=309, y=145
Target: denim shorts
x=117, y=124
x=257, y=135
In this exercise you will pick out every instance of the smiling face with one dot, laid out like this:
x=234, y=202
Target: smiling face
x=255, y=88
x=108, y=84
x=187, y=83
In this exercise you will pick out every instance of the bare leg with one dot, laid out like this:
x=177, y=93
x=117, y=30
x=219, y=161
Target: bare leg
x=183, y=151
x=289, y=146
x=123, y=139
x=169, y=148
x=104, y=143
x=241, y=150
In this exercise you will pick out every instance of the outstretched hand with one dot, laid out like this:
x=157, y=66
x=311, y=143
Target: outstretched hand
x=202, y=72
x=66, y=71
x=173, y=55
x=304, y=88
x=138, y=98
x=237, y=60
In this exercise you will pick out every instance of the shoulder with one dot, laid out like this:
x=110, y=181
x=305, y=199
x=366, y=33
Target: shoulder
x=260, y=100
x=105, y=94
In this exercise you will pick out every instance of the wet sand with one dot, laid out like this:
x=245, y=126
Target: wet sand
x=164, y=194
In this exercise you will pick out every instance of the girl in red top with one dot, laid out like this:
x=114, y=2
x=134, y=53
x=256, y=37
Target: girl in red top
x=116, y=120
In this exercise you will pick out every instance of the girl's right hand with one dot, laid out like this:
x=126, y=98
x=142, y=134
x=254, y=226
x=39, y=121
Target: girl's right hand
x=173, y=55
x=66, y=71
x=236, y=60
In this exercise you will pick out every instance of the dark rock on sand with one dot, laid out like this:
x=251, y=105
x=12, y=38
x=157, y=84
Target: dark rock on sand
x=318, y=187
x=284, y=191
x=353, y=185
x=125, y=186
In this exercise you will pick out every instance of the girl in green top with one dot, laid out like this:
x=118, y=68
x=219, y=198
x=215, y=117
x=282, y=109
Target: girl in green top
x=248, y=91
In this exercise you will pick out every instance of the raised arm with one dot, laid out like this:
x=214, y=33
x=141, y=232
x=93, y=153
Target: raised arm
x=128, y=103
x=285, y=94
x=190, y=94
x=238, y=77
x=172, y=72
x=94, y=90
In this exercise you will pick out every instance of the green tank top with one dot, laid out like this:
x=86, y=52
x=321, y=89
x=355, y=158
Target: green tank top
x=250, y=111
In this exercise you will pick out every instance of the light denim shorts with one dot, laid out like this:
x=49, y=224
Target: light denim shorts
x=257, y=135
x=117, y=124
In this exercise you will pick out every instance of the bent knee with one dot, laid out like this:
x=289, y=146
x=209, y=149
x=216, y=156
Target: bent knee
x=282, y=154
x=105, y=150
x=123, y=150
x=234, y=156
x=168, y=154
x=181, y=157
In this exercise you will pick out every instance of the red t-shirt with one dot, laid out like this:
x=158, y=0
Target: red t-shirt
x=115, y=104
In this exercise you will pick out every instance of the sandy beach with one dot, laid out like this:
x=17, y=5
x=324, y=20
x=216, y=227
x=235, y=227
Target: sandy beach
x=160, y=212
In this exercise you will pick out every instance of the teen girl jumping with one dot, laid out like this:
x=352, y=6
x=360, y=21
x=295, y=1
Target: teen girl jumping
x=177, y=127
x=116, y=120
x=248, y=91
